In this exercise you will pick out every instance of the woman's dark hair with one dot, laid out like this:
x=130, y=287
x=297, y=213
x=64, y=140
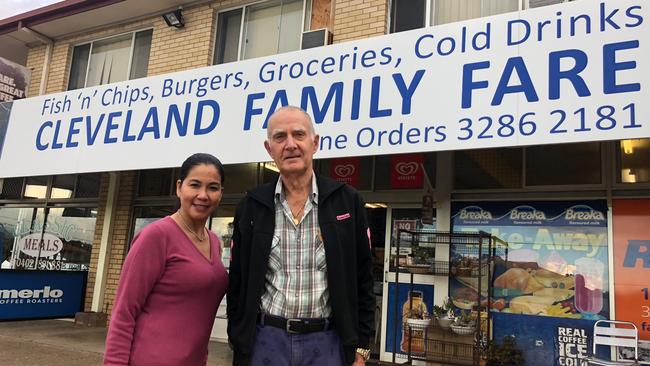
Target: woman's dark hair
x=198, y=159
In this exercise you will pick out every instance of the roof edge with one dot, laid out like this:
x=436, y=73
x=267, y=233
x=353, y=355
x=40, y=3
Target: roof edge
x=51, y=12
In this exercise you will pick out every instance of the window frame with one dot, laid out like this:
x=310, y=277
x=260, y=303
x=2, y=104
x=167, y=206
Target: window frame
x=615, y=171
x=605, y=173
x=307, y=7
x=90, y=52
x=48, y=200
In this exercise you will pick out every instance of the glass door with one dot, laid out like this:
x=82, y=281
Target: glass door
x=401, y=218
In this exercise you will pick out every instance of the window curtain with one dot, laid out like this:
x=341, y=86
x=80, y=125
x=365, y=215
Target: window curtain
x=227, y=48
x=290, y=26
x=271, y=29
x=539, y=3
x=109, y=60
x=494, y=7
x=79, y=67
x=448, y=11
x=141, y=51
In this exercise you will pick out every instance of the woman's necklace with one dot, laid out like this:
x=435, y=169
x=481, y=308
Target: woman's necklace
x=188, y=228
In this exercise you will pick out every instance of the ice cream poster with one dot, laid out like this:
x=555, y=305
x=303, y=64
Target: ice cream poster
x=555, y=263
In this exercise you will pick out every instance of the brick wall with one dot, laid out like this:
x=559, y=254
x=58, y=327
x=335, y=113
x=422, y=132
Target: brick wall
x=35, y=60
x=357, y=19
x=190, y=47
x=118, y=242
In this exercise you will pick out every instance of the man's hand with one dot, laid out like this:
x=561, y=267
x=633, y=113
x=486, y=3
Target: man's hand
x=359, y=360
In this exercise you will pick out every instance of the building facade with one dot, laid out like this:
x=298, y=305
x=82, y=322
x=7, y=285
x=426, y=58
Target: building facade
x=521, y=194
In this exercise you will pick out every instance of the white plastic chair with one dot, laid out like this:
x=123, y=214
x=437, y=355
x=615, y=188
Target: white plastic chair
x=614, y=333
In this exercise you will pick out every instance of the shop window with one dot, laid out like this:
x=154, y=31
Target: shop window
x=75, y=228
x=88, y=185
x=387, y=166
x=581, y=164
x=267, y=28
x=355, y=171
x=68, y=234
x=240, y=178
x=63, y=186
x=270, y=172
x=634, y=161
x=156, y=183
x=145, y=215
x=110, y=60
x=222, y=225
x=488, y=169
x=12, y=188
x=17, y=224
x=36, y=187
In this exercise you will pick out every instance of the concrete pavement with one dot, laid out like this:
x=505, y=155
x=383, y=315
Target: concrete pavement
x=62, y=343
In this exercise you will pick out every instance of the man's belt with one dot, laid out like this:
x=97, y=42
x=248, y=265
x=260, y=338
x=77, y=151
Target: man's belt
x=297, y=326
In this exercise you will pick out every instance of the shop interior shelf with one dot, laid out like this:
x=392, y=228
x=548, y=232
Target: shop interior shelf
x=471, y=263
x=441, y=345
x=436, y=268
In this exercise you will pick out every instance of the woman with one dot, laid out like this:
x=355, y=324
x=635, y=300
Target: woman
x=172, y=280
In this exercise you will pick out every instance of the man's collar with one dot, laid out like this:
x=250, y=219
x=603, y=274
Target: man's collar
x=279, y=192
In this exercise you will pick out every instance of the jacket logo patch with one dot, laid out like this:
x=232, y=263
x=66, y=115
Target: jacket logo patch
x=343, y=217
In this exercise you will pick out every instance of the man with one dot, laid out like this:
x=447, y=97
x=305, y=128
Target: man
x=300, y=288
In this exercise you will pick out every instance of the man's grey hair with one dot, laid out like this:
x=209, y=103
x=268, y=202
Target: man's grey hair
x=294, y=109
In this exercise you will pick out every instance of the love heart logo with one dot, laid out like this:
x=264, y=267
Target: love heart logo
x=344, y=171
x=407, y=168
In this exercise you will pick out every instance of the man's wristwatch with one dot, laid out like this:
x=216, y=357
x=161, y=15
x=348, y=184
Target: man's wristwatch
x=364, y=352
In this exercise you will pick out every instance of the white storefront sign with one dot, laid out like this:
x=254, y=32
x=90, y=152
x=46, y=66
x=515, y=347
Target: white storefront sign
x=568, y=73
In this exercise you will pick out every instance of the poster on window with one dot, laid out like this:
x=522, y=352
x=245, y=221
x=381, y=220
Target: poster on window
x=14, y=80
x=555, y=264
x=548, y=341
x=632, y=263
x=406, y=171
x=346, y=170
x=5, y=112
x=408, y=331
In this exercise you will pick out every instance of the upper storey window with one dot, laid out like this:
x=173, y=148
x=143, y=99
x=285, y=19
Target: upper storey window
x=110, y=60
x=413, y=14
x=261, y=29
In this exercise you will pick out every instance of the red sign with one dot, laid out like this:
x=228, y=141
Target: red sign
x=406, y=171
x=346, y=170
x=632, y=263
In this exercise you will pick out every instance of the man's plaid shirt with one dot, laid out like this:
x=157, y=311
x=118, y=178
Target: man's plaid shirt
x=296, y=280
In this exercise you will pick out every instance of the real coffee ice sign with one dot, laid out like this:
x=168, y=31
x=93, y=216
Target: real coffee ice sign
x=35, y=246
